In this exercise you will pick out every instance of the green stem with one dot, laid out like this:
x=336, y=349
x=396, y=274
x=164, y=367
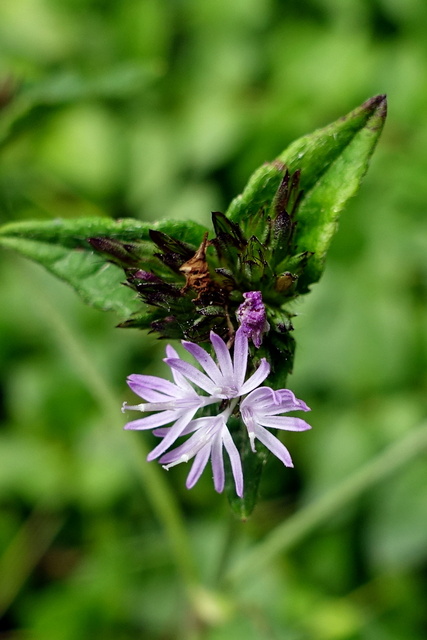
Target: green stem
x=304, y=522
x=29, y=544
x=161, y=498
x=226, y=551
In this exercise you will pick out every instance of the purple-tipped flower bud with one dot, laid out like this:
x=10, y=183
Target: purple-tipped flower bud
x=252, y=317
x=147, y=276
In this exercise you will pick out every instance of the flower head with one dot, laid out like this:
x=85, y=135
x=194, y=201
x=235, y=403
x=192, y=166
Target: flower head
x=222, y=382
x=252, y=317
x=261, y=409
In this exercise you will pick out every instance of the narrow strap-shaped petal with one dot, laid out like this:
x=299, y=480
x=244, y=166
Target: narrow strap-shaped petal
x=162, y=432
x=140, y=384
x=266, y=401
x=223, y=355
x=174, y=432
x=284, y=407
x=259, y=399
x=240, y=357
x=171, y=352
x=236, y=463
x=148, y=395
x=189, y=448
x=256, y=378
x=150, y=422
x=286, y=399
x=192, y=374
x=275, y=446
x=286, y=423
x=205, y=360
x=198, y=466
x=179, y=379
x=217, y=461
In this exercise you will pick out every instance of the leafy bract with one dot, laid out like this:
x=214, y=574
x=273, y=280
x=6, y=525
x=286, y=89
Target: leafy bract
x=333, y=161
x=62, y=247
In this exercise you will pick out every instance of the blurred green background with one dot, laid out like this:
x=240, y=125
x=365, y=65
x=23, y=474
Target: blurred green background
x=156, y=108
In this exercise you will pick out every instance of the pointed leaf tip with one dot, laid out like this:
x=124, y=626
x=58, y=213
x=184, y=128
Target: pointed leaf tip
x=332, y=162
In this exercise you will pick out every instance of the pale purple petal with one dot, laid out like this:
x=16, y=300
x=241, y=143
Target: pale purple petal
x=150, y=422
x=223, y=355
x=275, y=446
x=282, y=422
x=198, y=466
x=240, y=357
x=236, y=464
x=286, y=399
x=265, y=401
x=142, y=384
x=171, y=352
x=205, y=360
x=188, y=448
x=148, y=394
x=260, y=399
x=217, y=460
x=256, y=378
x=174, y=432
x=162, y=432
x=192, y=374
x=178, y=377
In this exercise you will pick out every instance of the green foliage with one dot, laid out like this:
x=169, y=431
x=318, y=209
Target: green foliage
x=63, y=247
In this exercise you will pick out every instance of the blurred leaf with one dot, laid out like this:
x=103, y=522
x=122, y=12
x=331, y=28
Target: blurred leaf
x=32, y=469
x=62, y=247
x=396, y=530
x=29, y=104
x=332, y=160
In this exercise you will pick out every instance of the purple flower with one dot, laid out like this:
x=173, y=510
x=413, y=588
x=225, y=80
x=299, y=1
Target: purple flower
x=252, y=317
x=261, y=409
x=176, y=404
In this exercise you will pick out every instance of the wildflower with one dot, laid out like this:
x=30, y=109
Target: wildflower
x=252, y=317
x=261, y=409
x=221, y=382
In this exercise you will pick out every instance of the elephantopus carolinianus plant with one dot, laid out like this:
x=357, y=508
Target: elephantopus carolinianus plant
x=226, y=292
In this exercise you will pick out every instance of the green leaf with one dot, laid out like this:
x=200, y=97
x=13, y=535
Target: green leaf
x=333, y=161
x=257, y=196
x=62, y=247
x=30, y=104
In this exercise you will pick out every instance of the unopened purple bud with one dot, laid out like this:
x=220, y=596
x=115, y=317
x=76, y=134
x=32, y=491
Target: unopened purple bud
x=147, y=276
x=252, y=317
